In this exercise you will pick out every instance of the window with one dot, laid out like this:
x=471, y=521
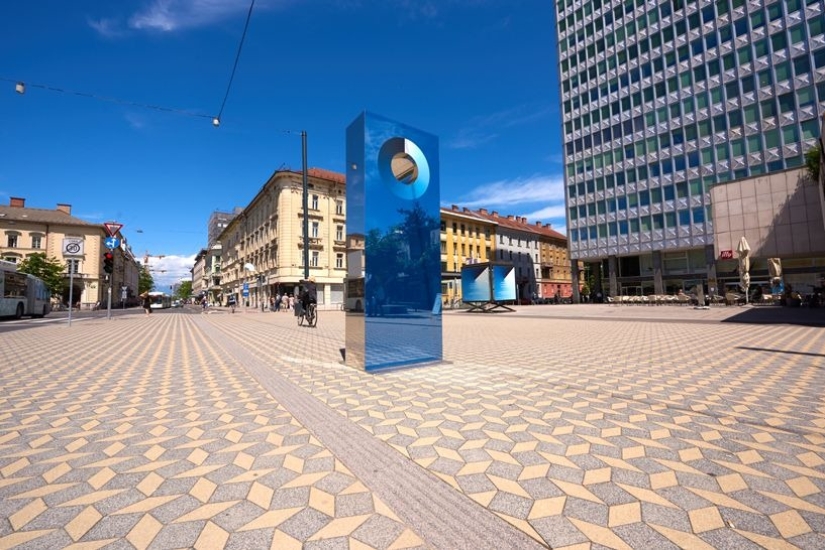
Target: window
x=684, y=218
x=36, y=240
x=314, y=202
x=12, y=241
x=339, y=232
x=699, y=214
x=790, y=134
x=339, y=206
x=768, y=108
x=806, y=96
x=802, y=65
x=339, y=260
x=810, y=129
x=786, y=103
x=314, y=233
x=754, y=144
x=313, y=262
x=779, y=41
x=73, y=266
x=772, y=139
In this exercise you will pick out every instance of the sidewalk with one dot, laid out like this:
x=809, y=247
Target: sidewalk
x=564, y=426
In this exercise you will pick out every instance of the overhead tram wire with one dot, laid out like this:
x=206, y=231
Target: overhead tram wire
x=22, y=86
x=217, y=120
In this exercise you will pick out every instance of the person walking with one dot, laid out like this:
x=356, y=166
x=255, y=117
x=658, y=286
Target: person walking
x=146, y=303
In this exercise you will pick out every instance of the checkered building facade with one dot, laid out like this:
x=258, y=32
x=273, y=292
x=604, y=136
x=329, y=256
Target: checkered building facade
x=663, y=99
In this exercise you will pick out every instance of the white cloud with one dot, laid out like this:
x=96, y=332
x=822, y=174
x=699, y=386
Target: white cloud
x=482, y=129
x=553, y=212
x=535, y=189
x=470, y=139
x=107, y=26
x=135, y=121
x=169, y=270
x=173, y=15
x=170, y=15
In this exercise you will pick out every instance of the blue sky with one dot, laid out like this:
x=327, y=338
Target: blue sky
x=479, y=74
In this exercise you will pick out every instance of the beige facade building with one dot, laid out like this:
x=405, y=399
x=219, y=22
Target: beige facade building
x=25, y=231
x=780, y=215
x=263, y=245
x=199, y=280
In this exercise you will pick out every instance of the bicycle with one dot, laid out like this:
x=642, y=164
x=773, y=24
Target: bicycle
x=308, y=314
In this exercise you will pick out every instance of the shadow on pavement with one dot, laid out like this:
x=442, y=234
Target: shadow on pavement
x=773, y=315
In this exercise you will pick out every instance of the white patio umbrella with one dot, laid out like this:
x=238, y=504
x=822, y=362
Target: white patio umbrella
x=775, y=268
x=743, y=250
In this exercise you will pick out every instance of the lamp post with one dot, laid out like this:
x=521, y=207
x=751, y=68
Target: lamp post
x=306, y=202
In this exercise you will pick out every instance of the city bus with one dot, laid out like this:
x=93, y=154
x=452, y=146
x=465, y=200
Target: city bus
x=22, y=294
x=159, y=300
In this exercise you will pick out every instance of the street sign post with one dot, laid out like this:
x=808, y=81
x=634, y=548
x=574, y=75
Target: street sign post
x=111, y=243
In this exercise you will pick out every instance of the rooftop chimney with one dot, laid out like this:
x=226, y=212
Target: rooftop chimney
x=495, y=214
x=17, y=202
x=538, y=224
x=454, y=208
x=465, y=209
x=65, y=208
x=482, y=211
x=511, y=217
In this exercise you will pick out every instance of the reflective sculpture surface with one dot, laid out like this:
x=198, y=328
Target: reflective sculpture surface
x=393, y=234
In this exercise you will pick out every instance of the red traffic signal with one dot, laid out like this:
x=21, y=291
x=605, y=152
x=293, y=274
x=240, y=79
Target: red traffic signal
x=108, y=262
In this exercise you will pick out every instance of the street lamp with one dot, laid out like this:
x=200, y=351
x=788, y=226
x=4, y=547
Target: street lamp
x=305, y=200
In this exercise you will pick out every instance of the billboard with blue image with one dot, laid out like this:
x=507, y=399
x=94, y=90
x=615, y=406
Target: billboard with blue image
x=504, y=282
x=475, y=283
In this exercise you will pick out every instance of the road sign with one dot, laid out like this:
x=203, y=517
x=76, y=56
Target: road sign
x=112, y=228
x=111, y=242
x=245, y=291
x=72, y=247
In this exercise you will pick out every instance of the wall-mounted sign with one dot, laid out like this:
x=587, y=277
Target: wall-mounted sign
x=726, y=255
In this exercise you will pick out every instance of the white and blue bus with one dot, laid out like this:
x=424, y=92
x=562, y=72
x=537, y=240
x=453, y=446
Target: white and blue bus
x=159, y=300
x=22, y=294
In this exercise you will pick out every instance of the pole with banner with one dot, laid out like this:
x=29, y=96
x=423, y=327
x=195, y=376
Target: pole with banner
x=72, y=249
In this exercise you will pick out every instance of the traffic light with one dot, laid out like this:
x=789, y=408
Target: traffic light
x=108, y=262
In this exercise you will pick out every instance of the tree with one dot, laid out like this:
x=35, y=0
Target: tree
x=145, y=281
x=184, y=290
x=812, y=158
x=50, y=270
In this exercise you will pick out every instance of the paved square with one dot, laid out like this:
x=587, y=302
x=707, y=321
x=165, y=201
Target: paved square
x=560, y=426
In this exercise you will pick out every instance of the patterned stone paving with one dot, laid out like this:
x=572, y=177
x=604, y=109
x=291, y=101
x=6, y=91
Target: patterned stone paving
x=141, y=433
x=604, y=433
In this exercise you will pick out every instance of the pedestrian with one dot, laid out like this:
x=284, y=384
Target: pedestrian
x=146, y=303
x=291, y=304
x=277, y=303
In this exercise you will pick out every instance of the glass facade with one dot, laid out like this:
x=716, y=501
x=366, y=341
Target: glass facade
x=663, y=99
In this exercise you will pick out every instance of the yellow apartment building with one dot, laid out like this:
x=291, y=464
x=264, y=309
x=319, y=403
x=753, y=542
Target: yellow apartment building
x=466, y=237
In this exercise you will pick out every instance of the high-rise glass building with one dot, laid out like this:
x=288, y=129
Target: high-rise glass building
x=664, y=99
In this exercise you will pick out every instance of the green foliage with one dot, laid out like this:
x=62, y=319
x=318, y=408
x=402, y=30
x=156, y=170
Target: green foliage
x=812, y=157
x=145, y=281
x=49, y=269
x=184, y=290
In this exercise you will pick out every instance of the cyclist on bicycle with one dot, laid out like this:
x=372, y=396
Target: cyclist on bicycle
x=309, y=294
